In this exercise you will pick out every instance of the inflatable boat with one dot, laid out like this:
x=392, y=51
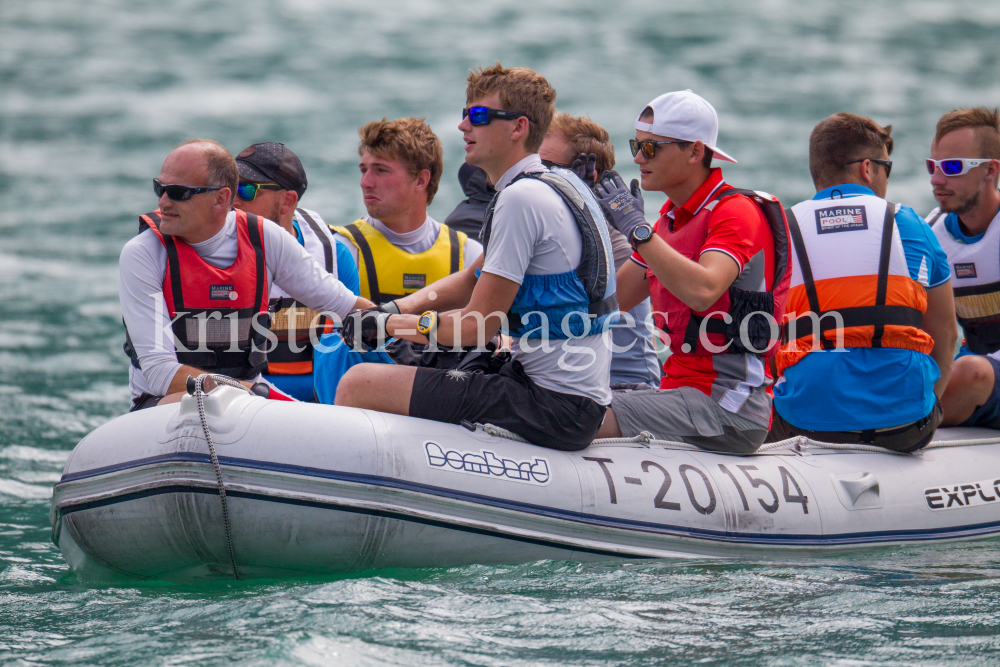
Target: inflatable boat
x=228, y=484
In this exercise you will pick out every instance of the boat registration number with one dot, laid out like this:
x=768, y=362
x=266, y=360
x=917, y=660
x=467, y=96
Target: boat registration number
x=747, y=480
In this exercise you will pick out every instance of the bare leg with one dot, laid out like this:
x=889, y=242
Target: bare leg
x=969, y=387
x=382, y=387
x=610, y=427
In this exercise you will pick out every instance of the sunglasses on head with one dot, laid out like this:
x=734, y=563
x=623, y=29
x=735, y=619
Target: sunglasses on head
x=954, y=166
x=885, y=163
x=648, y=147
x=483, y=115
x=248, y=191
x=179, y=192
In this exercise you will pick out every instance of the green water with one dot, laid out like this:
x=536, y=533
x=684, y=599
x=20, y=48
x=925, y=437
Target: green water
x=92, y=97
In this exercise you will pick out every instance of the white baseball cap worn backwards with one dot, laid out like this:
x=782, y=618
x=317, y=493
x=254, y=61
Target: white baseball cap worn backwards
x=686, y=116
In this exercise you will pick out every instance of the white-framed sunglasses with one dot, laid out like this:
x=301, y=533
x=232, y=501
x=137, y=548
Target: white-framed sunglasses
x=954, y=166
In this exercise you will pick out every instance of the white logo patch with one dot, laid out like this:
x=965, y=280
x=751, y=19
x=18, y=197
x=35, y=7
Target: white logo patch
x=485, y=463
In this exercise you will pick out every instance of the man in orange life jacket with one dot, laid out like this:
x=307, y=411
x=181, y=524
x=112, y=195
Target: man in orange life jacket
x=199, y=276
x=272, y=182
x=716, y=265
x=870, y=315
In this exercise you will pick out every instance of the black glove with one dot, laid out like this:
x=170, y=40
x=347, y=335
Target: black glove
x=388, y=307
x=584, y=166
x=622, y=206
x=364, y=329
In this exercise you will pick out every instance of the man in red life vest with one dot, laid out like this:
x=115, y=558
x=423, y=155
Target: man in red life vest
x=716, y=265
x=194, y=283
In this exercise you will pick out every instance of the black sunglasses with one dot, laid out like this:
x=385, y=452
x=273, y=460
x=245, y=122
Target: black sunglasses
x=483, y=115
x=248, y=191
x=550, y=164
x=648, y=147
x=885, y=163
x=179, y=192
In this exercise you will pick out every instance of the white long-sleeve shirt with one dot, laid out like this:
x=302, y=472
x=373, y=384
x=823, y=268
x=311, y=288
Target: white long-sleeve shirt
x=142, y=268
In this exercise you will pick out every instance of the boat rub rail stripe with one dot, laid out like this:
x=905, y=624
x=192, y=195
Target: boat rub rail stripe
x=180, y=488
x=921, y=534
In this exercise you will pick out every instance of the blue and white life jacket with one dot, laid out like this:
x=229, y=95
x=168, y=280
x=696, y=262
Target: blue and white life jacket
x=577, y=303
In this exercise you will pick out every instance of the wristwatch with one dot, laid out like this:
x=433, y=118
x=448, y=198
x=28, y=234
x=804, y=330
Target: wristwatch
x=640, y=235
x=428, y=322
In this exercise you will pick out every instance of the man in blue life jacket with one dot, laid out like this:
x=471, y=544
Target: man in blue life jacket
x=272, y=182
x=965, y=169
x=546, y=276
x=875, y=378
x=580, y=144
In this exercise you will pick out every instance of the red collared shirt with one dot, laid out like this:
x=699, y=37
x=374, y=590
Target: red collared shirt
x=737, y=228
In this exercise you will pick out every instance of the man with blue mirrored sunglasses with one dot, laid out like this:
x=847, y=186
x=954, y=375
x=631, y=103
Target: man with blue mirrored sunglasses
x=965, y=169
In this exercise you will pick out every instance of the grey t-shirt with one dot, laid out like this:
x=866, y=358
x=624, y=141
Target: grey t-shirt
x=534, y=233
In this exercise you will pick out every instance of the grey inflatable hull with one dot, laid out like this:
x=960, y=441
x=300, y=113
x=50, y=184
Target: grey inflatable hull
x=320, y=489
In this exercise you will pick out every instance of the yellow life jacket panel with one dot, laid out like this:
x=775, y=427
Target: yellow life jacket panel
x=387, y=272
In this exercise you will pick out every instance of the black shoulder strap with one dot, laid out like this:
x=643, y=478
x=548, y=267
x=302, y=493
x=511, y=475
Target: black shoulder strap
x=258, y=248
x=883, y=267
x=456, y=249
x=933, y=221
x=146, y=218
x=487, y=228
x=366, y=254
x=805, y=267
x=323, y=238
x=175, y=265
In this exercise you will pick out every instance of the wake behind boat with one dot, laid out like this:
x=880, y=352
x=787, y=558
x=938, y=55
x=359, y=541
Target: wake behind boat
x=312, y=489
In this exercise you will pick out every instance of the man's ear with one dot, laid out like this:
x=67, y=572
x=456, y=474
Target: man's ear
x=289, y=201
x=697, y=153
x=422, y=180
x=521, y=127
x=224, y=198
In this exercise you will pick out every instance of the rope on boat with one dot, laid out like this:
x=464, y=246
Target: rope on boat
x=199, y=394
x=799, y=442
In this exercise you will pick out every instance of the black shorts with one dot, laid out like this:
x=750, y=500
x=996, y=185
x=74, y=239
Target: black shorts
x=509, y=399
x=143, y=401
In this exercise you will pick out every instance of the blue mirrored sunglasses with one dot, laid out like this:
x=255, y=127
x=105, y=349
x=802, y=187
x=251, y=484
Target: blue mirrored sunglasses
x=483, y=115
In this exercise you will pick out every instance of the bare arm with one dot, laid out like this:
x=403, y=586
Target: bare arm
x=697, y=284
x=473, y=325
x=633, y=287
x=450, y=293
x=939, y=322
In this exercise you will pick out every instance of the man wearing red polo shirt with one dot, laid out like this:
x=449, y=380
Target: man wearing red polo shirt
x=717, y=269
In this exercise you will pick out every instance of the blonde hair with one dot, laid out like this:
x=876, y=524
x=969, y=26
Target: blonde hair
x=409, y=140
x=520, y=89
x=984, y=121
x=585, y=136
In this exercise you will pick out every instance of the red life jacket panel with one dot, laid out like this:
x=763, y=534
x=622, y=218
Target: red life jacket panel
x=742, y=320
x=223, y=313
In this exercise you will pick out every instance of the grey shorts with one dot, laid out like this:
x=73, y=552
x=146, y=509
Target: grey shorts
x=686, y=415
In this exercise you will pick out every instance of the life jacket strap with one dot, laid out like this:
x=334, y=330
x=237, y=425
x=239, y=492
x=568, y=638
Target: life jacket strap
x=323, y=238
x=859, y=316
x=369, y=259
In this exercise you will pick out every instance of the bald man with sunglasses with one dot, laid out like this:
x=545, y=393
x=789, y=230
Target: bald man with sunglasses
x=194, y=283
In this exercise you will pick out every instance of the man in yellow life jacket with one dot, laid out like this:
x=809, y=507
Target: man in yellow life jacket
x=398, y=248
